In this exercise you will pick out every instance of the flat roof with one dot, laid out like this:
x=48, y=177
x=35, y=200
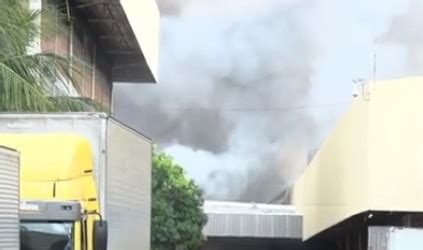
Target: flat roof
x=223, y=207
x=129, y=39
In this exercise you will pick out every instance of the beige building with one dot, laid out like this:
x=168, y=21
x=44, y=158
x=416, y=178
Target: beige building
x=372, y=162
x=109, y=41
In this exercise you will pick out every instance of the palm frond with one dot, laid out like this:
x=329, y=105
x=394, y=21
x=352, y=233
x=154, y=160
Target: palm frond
x=76, y=104
x=26, y=79
x=19, y=95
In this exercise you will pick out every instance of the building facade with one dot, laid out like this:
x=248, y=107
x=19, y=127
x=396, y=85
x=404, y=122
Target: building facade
x=369, y=171
x=106, y=41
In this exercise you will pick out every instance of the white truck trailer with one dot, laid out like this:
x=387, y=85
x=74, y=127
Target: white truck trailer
x=9, y=199
x=122, y=160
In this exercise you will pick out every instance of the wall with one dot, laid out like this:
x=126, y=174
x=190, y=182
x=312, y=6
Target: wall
x=396, y=145
x=144, y=17
x=92, y=68
x=128, y=188
x=372, y=160
x=335, y=180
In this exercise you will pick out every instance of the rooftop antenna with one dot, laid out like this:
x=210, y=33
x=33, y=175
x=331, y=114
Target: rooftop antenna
x=361, y=85
x=375, y=59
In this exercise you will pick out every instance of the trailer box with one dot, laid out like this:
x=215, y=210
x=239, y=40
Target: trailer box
x=122, y=169
x=9, y=199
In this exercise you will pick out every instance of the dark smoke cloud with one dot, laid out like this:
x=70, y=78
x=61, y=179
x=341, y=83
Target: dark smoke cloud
x=194, y=126
x=229, y=80
x=281, y=167
x=235, y=74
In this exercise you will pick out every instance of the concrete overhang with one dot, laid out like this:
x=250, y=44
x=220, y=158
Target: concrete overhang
x=128, y=32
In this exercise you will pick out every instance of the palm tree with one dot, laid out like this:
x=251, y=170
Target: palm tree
x=25, y=78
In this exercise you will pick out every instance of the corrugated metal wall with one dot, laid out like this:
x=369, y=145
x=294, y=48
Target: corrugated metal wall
x=9, y=199
x=261, y=226
x=128, y=188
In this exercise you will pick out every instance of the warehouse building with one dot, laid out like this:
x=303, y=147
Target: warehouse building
x=108, y=41
x=367, y=178
x=245, y=226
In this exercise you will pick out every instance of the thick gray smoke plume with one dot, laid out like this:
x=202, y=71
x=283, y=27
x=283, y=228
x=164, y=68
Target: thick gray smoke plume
x=405, y=30
x=237, y=79
x=234, y=78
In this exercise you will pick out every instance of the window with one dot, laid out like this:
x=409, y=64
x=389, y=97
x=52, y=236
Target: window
x=46, y=236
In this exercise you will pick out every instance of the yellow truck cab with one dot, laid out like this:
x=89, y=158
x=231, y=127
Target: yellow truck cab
x=77, y=170
x=59, y=207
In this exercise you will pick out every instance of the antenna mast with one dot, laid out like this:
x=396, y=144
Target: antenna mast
x=375, y=60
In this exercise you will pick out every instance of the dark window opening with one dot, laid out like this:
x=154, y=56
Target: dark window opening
x=46, y=236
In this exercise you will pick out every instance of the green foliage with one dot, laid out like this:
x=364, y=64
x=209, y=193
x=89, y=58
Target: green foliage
x=177, y=216
x=26, y=78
